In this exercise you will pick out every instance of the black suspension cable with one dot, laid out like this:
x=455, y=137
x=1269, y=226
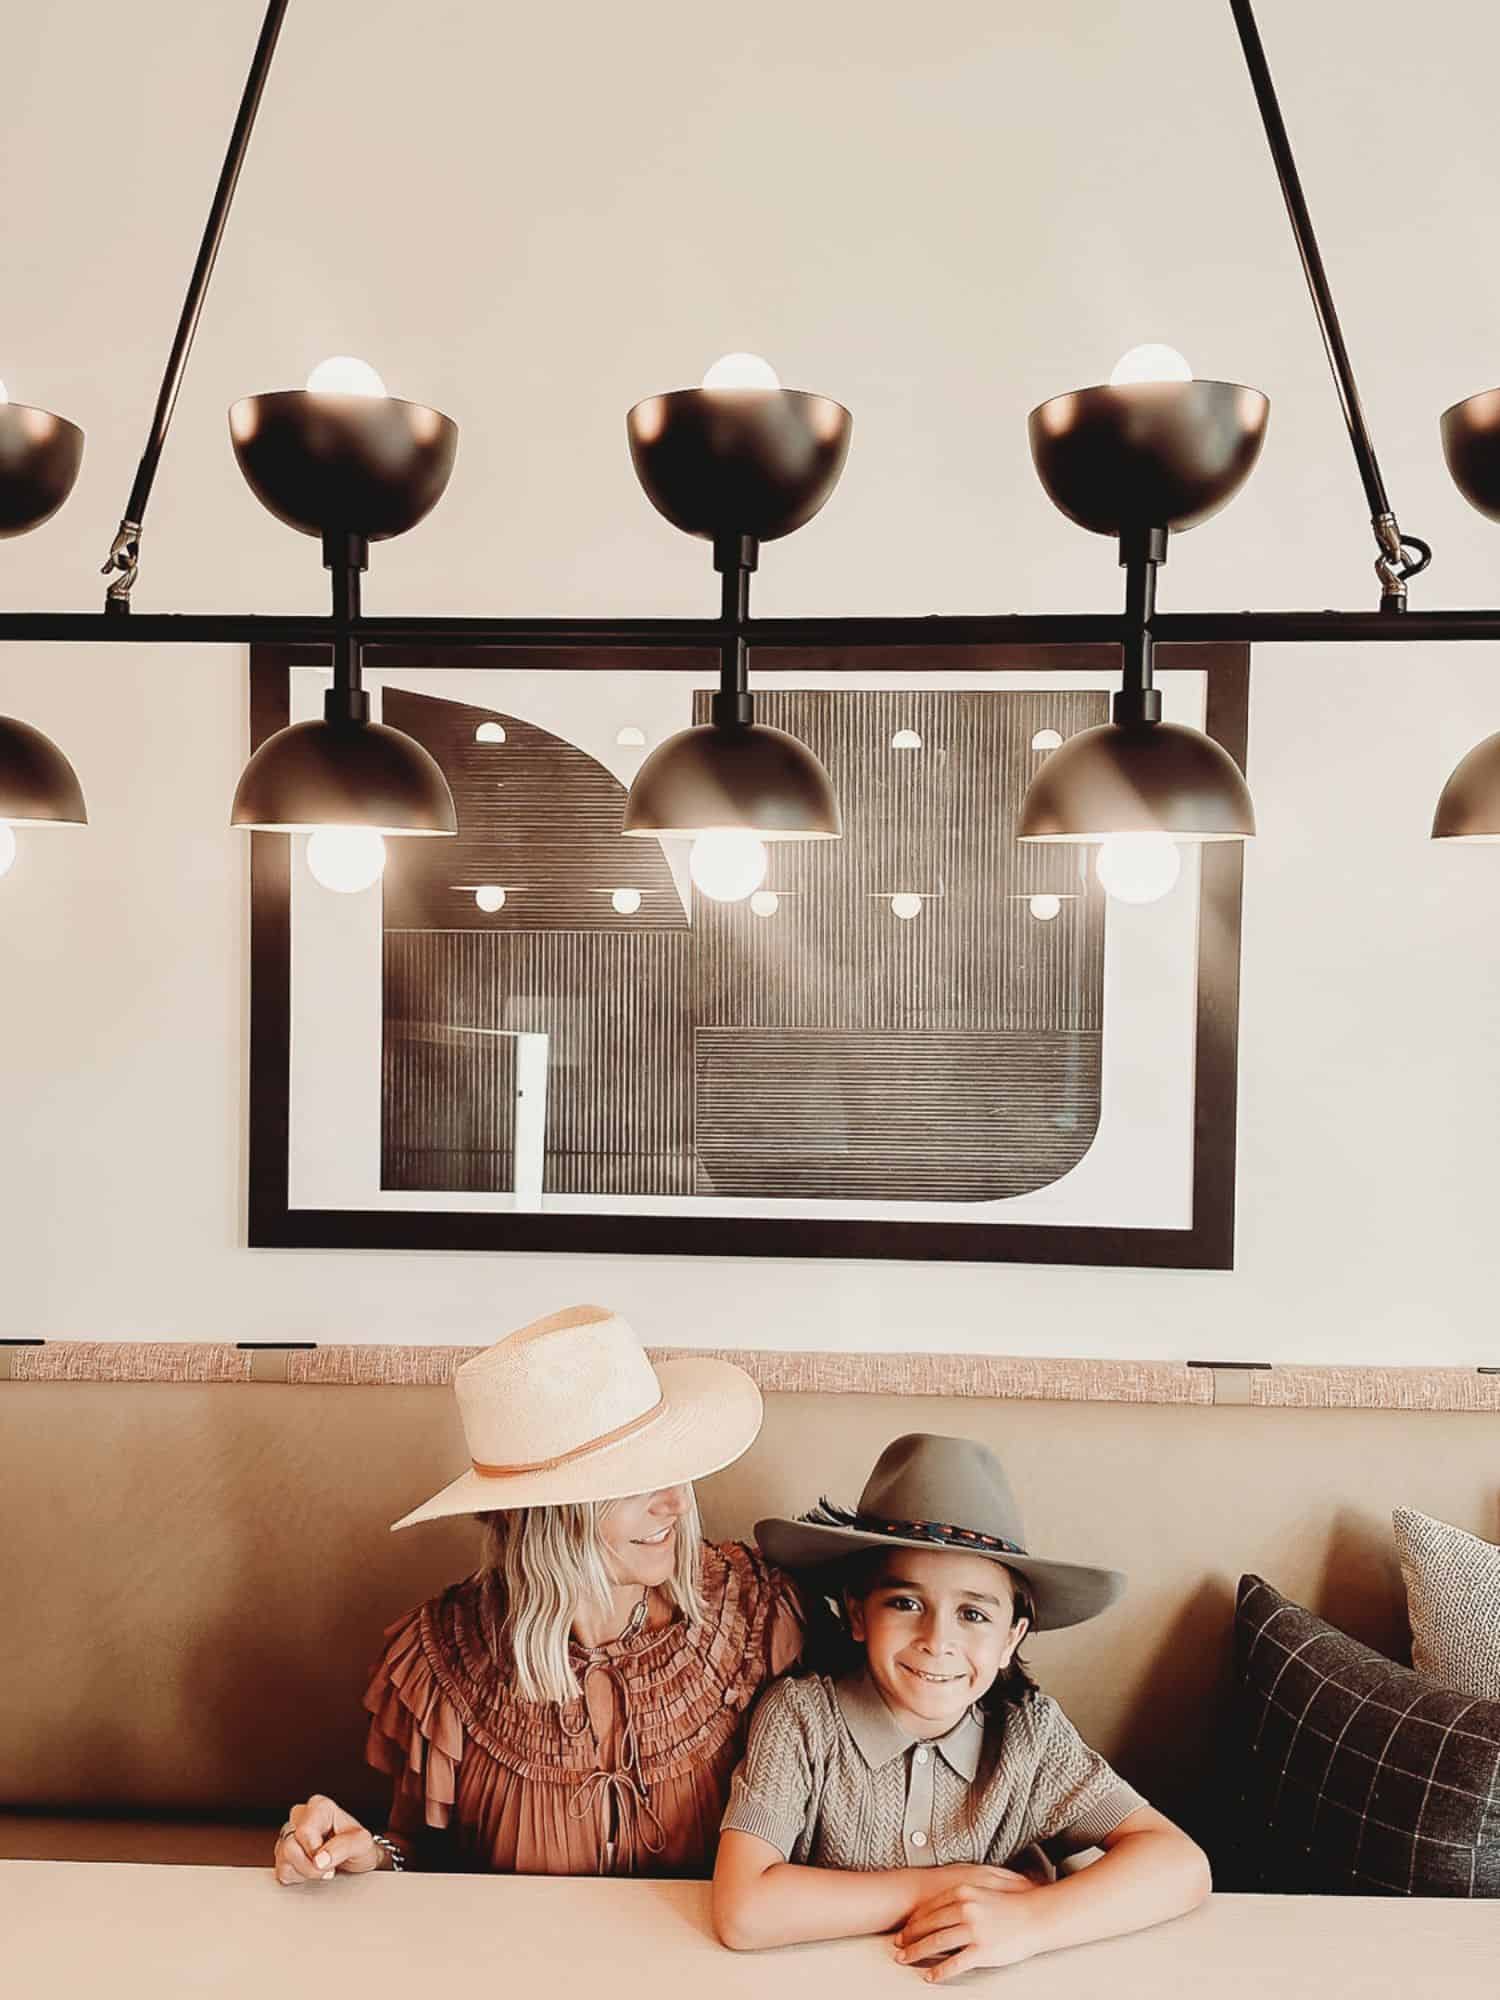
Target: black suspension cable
x=125, y=551
x=1399, y=556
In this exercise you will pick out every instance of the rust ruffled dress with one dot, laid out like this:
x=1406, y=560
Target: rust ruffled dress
x=630, y=1778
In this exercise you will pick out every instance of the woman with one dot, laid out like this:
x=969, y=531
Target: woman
x=578, y=1705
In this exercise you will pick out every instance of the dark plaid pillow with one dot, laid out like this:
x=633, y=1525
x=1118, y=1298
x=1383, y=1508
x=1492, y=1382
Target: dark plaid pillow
x=1359, y=1777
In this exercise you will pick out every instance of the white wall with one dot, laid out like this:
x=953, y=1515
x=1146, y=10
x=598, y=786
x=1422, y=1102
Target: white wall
x=533, y=217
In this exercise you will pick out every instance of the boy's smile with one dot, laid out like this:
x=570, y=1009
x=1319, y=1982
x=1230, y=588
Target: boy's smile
x=938, y=1630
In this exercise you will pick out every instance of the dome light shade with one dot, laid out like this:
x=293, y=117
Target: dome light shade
x=748, y=776
x=37, y=783
x=39, y=459
x=1471, y=445
x=1469, y=808
x=352, y=774
x=720, y=462
x=1138, y=778
x=1121, y=460
x=361, y=465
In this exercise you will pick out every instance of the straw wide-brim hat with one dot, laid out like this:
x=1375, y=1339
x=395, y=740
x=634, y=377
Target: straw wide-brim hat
x=570, y=1408
x=942, y=1493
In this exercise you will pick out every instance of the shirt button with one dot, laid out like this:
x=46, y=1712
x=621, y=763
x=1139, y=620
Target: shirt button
x=921, y=1756
x=919, y=1839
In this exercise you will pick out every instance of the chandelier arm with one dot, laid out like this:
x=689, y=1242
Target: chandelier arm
x=1139, y=699
x=346, y=557
x=123, y=561
x=1398, y=556
x=735, y=556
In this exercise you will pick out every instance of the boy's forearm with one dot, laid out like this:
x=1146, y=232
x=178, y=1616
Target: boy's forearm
x=789, y=1904
x=1145, y=1880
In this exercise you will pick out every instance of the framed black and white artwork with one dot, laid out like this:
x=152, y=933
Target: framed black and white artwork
x=924, y=1040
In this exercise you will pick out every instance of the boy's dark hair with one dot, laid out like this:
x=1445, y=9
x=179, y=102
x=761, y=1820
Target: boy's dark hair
x=831, y=1648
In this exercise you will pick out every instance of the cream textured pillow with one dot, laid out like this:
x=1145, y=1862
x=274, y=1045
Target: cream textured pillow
x=1453, y=1599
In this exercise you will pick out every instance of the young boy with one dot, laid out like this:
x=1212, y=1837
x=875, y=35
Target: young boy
x=900, y=1788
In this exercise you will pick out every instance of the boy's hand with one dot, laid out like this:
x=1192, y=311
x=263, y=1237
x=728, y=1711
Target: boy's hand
x=969, y=1924
x=935, y=1884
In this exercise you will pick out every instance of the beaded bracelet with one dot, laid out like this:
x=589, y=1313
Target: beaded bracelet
x=398, y=1859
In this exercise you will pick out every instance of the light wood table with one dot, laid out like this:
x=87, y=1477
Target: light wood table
x=136, y=1932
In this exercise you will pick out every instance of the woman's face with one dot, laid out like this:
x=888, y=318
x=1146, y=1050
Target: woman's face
x=640, y=1535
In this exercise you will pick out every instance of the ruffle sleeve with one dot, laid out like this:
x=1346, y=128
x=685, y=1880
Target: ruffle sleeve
x=416, y=1734
x=786, y=1628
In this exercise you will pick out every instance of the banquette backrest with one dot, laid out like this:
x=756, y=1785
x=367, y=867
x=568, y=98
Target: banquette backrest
x=195, y=1567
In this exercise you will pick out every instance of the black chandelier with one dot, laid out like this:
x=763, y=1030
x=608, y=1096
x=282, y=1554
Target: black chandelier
x=740, y=461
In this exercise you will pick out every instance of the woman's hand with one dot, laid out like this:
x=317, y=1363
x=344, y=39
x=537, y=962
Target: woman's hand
x=320, y=1840
x=969, y=1923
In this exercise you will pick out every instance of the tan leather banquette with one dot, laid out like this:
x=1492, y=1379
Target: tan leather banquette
x=195, y=1567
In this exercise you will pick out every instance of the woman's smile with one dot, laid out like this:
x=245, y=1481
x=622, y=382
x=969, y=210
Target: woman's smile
x=655, y=1541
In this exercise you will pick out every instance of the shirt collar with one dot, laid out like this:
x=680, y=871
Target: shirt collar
x=880, y=1738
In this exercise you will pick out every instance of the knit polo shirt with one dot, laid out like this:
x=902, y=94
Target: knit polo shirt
x=831, y=1778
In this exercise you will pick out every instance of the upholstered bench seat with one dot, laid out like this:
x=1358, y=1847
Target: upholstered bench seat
x=196, y=1566
x=201, y=1843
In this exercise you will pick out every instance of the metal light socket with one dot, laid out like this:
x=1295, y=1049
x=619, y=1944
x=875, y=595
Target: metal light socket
x=327, y=463
x=1119, y=461
x=39, y=459
x=721, y=462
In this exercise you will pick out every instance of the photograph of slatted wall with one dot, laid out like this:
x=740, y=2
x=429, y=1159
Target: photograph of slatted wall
x=827, y=1047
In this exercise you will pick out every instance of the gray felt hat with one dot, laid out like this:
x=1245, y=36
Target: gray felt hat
x=941, y=1493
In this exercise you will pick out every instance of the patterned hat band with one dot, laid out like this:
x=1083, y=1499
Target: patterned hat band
x=941, y=1533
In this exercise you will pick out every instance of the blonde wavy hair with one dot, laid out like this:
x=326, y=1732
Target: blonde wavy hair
x=549, y=1563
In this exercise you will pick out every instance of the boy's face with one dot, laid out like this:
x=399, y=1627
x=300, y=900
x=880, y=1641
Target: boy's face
x=938, y=1629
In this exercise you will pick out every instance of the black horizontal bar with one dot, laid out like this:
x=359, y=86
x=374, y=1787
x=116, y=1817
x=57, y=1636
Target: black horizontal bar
x=697, y=634
x=1307, y=628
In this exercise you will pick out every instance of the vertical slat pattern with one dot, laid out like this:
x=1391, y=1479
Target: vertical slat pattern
x=619, y=1073
x=538, y=817
x=938, y=822
x=830, y=1050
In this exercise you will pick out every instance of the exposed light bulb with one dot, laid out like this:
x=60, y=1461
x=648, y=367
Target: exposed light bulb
x=765, y=902
x=1151, y=362
x=7, y=837
x=1046, y=908
x=344, y=375
x=626, y=901
x=1046, y=739
x=906, y=739
x=346, y=858
x=489, y=732
x=490, y=897
x=631, y=738
x=728, y=863
x=741, y=371
x=1138, y=867
x=906, y=907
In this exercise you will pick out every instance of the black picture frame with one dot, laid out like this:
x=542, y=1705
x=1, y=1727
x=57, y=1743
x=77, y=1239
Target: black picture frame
x=1207, y=1244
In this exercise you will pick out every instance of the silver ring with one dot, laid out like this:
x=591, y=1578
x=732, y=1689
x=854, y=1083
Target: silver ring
x=288, y=1828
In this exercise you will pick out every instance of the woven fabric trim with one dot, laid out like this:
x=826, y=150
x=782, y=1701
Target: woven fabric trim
x=1006, y=1378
